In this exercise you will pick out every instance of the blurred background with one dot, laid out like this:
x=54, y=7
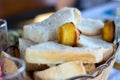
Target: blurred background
x=22, y=12
x=18, y=11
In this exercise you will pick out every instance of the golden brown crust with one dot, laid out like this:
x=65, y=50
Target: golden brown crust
x=34, y=67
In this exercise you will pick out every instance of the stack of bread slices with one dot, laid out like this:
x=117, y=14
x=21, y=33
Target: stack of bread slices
x=63, y=46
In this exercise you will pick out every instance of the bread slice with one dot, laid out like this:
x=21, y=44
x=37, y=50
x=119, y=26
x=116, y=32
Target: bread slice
x=23, y=45
x=90, y=26
x=9, y=66
x=4, y=55
x=54, y=53
x=96, y=42
x=47, y=29
x=61, y=72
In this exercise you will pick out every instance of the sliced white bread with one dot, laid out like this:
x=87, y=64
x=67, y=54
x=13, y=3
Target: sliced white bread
x=47, y=29
x=90, y=26
x=9, y=66
x=4, y=55
x=23, y=45
x=61, y=72
x=54, y=53
x=96, y=42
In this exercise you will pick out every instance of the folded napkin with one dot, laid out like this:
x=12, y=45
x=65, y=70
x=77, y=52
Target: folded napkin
x=114, y=74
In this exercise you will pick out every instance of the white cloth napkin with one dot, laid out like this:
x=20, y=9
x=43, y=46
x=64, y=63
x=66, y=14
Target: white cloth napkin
x=114, y=74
